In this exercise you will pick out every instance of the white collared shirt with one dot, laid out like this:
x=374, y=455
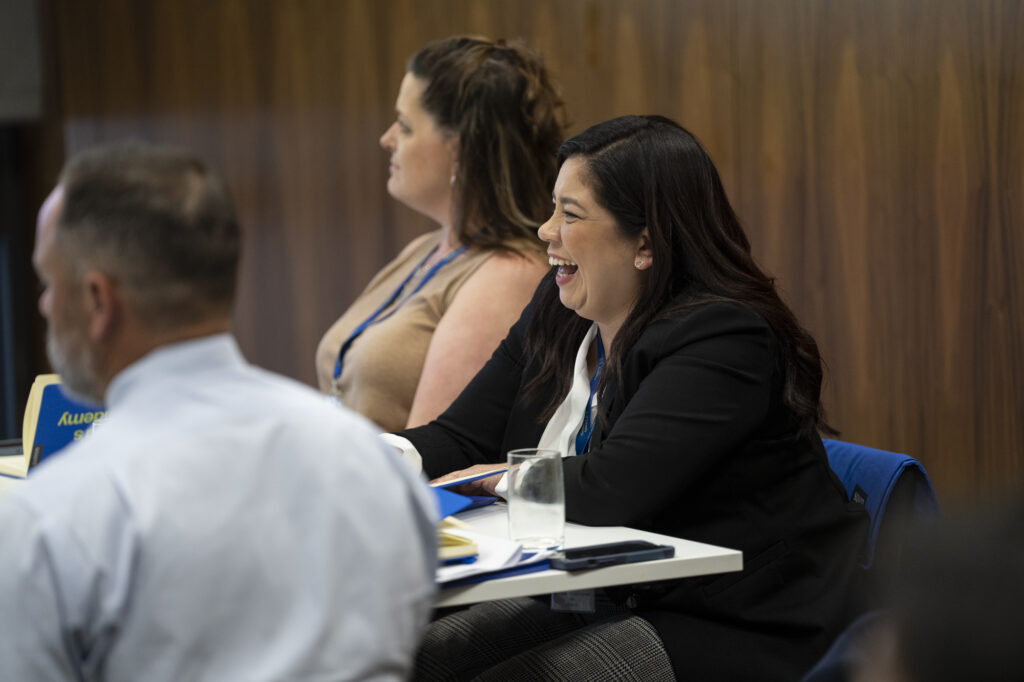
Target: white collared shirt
x=225, y=523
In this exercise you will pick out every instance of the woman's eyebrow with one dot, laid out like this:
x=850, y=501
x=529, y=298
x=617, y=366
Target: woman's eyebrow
x=570, y=200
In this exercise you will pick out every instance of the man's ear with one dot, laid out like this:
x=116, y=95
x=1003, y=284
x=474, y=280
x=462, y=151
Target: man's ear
x=104, y=306
x=644, y=257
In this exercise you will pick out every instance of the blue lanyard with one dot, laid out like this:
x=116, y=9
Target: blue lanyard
x=374, y=317
x=587, y=430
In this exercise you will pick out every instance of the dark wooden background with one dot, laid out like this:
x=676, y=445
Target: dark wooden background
x=874, y=149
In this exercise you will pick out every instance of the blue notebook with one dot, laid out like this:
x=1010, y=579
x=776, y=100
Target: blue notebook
x=60, y=421
x=52, y=421
x=467, y=479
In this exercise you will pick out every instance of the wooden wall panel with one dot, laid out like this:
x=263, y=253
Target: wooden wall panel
x=873, y=149
x=883, y=190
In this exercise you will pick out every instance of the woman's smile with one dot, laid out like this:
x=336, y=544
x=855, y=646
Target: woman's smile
x=597, y=272
x=566, y=270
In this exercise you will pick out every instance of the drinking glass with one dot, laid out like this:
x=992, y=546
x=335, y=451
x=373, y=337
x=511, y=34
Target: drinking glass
x=536, y=498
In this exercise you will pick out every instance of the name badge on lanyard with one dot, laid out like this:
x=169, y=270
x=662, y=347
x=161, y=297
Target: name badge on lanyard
x=376, y=316
x=587, y=429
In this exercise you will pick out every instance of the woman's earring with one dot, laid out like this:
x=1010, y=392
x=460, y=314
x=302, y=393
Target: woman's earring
x=451, y=181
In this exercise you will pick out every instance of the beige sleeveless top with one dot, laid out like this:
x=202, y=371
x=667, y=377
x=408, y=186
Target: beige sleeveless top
x=382, y=367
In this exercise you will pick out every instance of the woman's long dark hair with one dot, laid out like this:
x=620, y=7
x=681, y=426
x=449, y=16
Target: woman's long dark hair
x=648, y=171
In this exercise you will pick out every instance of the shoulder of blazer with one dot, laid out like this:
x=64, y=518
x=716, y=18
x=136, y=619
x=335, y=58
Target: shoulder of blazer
x=674, y=331
x=683, y=325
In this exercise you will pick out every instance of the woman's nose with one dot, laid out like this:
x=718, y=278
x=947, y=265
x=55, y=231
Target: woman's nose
x=44, y=304
x=386, y=140
x=547, y=231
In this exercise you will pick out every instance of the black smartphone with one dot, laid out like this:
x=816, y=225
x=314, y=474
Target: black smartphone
x=609, y=554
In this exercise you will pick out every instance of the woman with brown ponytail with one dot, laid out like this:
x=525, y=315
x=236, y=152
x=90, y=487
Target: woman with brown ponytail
x=473, y=148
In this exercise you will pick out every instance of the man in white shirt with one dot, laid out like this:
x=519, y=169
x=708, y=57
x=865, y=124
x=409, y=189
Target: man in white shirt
x=221, y=523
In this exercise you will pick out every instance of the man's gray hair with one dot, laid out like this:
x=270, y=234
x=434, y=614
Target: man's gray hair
x=159, y=222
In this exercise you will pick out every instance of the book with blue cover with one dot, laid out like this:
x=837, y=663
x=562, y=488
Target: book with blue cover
x=52, y=421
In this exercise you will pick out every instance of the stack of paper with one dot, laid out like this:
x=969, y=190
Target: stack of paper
x=497, y=558
x=468, y=556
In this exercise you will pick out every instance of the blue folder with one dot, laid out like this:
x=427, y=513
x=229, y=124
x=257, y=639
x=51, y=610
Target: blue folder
x=452, y=503
x=500, y=573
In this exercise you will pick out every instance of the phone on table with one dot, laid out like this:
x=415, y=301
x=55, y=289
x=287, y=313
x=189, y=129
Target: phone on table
x=610, y=554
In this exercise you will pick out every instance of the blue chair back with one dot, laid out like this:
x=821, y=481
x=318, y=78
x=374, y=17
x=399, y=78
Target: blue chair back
x=874, y=478
x=870, y=476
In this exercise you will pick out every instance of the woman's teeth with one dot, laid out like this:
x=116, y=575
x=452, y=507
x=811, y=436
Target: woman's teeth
x=566, y=268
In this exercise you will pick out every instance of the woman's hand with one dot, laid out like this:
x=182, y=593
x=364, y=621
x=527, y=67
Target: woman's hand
x=481, y=486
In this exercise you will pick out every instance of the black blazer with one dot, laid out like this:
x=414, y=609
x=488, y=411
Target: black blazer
x=699, y=445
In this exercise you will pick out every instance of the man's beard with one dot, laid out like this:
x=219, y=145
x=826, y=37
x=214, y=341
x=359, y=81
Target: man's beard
x=74, y=361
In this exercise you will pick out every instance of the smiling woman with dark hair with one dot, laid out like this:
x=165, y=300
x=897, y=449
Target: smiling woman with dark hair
x=703, y=425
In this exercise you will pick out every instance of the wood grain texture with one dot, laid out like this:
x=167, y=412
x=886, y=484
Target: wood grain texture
x=889, y=209
x=873, y=149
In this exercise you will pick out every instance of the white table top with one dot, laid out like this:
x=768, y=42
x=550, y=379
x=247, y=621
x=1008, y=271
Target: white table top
x=691, y=559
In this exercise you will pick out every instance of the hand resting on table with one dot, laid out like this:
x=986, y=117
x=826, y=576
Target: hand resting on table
x=482, y=486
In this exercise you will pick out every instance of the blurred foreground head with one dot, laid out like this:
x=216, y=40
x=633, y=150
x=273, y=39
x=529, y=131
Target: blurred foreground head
x=957, y=605
x=136, y=246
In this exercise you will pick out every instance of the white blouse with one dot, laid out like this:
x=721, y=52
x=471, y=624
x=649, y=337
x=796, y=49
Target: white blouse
x=560, y=432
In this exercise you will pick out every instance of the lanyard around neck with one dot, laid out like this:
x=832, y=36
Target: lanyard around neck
x=587, y=430
x=376, y=317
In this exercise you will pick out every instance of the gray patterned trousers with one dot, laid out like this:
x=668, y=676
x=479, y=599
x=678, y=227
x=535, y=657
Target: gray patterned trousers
x=523, y=639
